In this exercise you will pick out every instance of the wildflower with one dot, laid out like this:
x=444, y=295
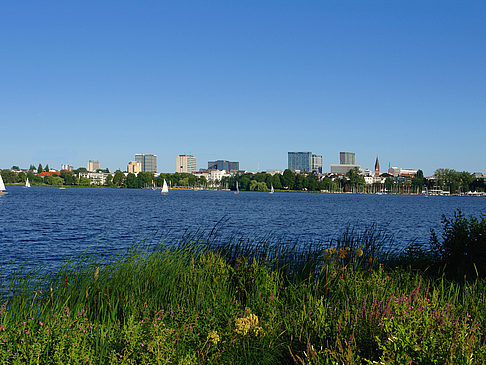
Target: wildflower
x=96, y=273
x=242, y=326
x=213, y=337
x=342, y=254
x=358, y=252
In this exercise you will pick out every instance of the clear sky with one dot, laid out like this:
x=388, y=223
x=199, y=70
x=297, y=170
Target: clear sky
x=245, y=81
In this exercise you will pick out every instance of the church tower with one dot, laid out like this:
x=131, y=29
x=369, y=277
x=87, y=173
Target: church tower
x=377, y=167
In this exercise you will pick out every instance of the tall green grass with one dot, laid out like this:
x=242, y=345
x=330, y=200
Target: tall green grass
x=200, y=301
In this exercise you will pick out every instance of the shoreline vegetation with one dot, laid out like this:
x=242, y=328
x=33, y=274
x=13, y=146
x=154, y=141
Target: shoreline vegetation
x=200, y=301
x=444, y=182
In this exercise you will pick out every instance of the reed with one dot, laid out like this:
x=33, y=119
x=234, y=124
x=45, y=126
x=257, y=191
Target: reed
x=200, y=300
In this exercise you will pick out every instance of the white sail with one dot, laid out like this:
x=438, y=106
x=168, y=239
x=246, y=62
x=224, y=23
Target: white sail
x=2, y=185
x=271, y=190
x=165, y=188
x=27, y=183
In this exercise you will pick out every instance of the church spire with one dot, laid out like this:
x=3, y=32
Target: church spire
x=377, y=167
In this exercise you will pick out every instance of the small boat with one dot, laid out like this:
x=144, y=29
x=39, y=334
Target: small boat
x=2, y=187
x=27, y=184
x=271, y=189
x=237, y=188
x=62, y=187
x=165, y=188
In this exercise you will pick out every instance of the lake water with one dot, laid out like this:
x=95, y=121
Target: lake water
x=47, y=225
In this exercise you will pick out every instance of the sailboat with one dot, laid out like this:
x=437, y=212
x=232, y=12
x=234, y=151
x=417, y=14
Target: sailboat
x=27, y=184
x=237, y=188
x=271, y=189
x=2, y=187
x=165, y=188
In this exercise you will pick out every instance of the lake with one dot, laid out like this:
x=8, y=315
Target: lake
x=47, y=225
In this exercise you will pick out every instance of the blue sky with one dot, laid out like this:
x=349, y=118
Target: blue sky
x=243, y=80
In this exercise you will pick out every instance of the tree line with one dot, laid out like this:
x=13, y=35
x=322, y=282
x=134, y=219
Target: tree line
x=444, y=179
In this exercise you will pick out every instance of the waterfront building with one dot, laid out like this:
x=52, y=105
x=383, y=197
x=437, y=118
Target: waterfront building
x=148, y=162
x=66, y=167
x=300, y=161
x=93, y=165
x=134, y=167
x=95, y=178
x=224, y=165
x=317, y=164
x=347, y=158
x=186, y=164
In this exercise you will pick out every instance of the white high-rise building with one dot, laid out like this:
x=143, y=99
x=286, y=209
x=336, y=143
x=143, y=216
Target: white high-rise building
x=134, y=167
x=186, y=164
x=93, y=165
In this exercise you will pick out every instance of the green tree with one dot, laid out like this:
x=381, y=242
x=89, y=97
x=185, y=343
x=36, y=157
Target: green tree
x=419, y=180
x=298, y=182
x=84, y=181
x=46, y=169
x=109, y=180
x=131, y=181
x=39, y=169
x=119, y=178
x=15, y=167
x=21, y=177
x=69, y=177
x=276, y=182
x=288, y=179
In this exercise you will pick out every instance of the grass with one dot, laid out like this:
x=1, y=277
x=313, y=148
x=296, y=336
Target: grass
x=197, y=302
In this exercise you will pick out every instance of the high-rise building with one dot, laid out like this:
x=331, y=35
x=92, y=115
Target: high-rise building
x=147, y=161
x=186, y=164
x=317, y=164
x=134, y=167
x=347, y=158
x=347, y=162
x=66, y=167
x=93, y=165
x=300, y=161
x=224, y=165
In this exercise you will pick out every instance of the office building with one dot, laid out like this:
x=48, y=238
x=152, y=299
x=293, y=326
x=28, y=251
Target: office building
x=93, y=165
x=300, y=161
x=148, y=162
x=317, y=164
x=134, y=167
x=66, y=167
x=342, y=169
x=224, y=165
x=186, y=164
x=347, y=162
x=347, y=158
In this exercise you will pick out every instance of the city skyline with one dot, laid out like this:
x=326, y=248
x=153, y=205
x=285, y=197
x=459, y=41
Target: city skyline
x=247, y=81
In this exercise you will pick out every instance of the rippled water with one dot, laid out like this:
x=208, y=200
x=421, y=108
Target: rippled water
x=47, y=225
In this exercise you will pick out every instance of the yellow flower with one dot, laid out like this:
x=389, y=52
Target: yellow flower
x=242, y=326
x=359, y=252
x=342, y=254
x=332, y=250
x=213, y=337
x=245, y=324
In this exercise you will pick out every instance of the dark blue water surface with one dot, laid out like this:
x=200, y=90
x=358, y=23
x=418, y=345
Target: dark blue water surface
x=48, y=225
